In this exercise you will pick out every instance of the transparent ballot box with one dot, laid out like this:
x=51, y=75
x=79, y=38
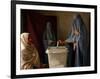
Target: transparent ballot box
x=57, y=56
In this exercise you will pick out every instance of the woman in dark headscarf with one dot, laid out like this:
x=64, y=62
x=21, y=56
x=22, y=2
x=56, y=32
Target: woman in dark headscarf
x=78, y=37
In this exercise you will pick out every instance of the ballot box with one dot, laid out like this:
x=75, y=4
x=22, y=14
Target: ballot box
x=57, y=56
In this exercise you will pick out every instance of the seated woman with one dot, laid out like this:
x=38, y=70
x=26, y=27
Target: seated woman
x=29, y=54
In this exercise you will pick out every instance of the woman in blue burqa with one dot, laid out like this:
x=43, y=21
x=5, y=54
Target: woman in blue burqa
x=77, y=43
x=49, y=38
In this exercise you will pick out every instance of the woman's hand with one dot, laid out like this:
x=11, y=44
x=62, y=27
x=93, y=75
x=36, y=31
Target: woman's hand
x=60, y=42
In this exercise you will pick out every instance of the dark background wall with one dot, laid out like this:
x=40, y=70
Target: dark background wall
x=64, y=21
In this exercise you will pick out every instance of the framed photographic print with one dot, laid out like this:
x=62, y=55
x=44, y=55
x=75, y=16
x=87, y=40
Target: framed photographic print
x=52, y=39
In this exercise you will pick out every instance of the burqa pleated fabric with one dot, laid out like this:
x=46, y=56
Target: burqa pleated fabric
x=48, y=38
x=80, y=52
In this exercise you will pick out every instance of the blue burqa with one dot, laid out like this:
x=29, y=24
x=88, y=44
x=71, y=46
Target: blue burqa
x=81, y=53
x=48, y=38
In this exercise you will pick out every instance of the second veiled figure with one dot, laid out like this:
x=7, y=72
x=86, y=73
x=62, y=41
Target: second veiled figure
x=78, y=54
